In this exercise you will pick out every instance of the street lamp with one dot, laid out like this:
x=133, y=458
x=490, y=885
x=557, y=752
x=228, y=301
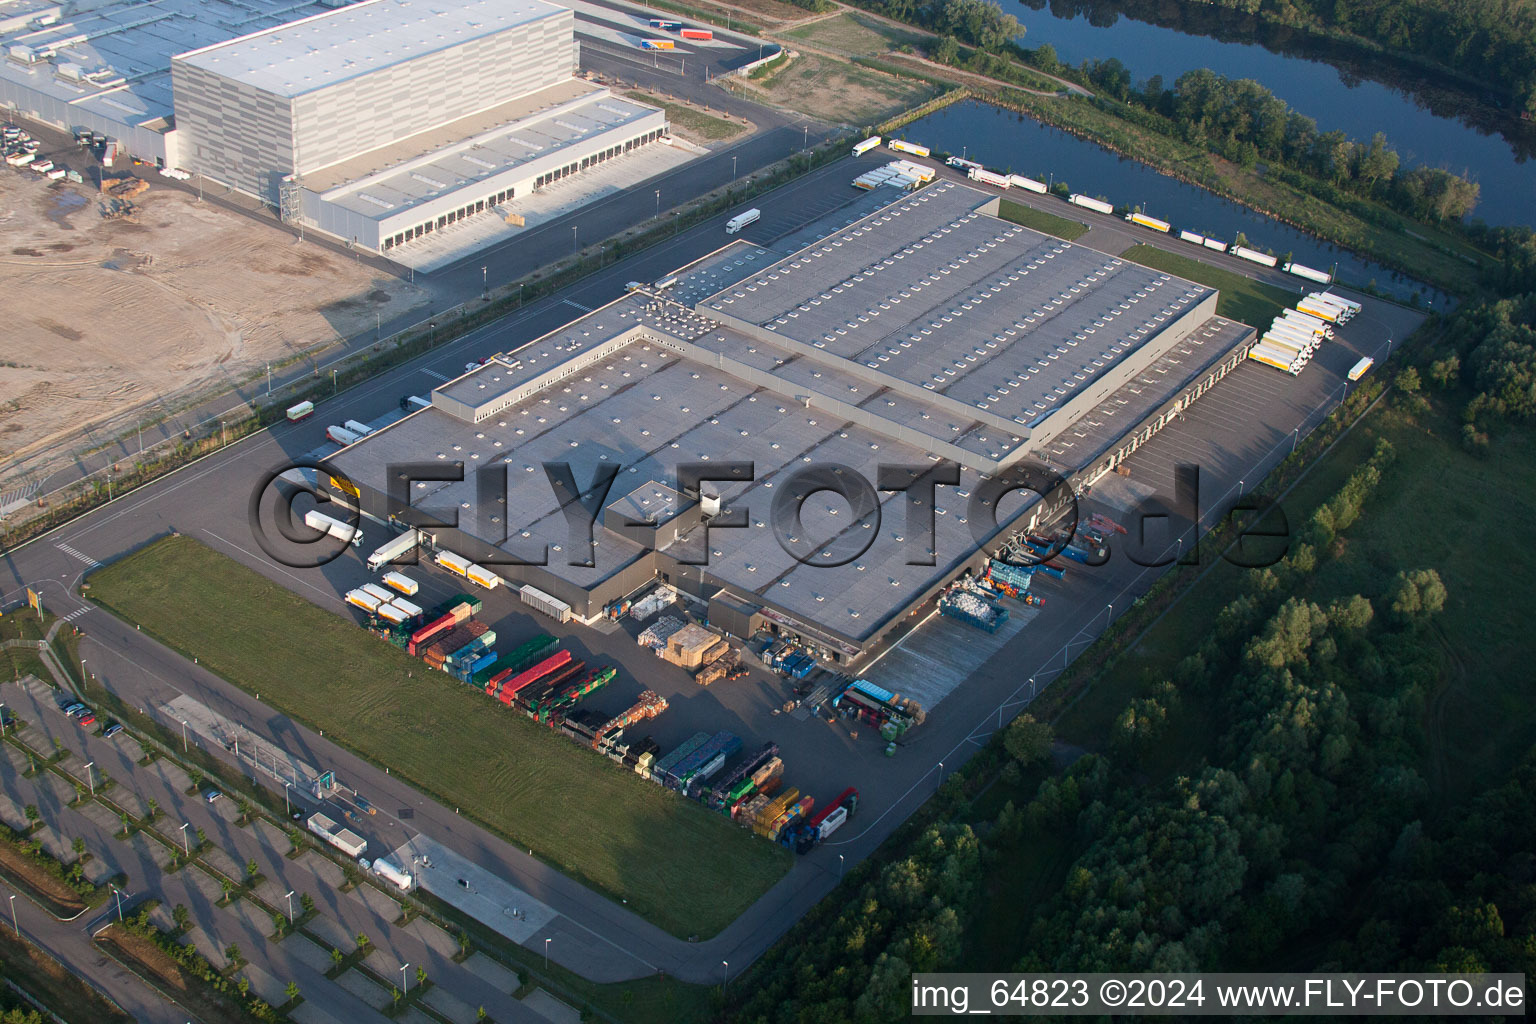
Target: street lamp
x=941, y=776
x=183, y=735
x=287, y=807
x=733, y=168
x=290, y=906
x=119, y=894
x=658, y=199
x=269, y=378
x=485, y=283
x=90, y=776
x=13, y=914
x=186, y=844
x=839, y=867
x=546, y=951
x=405, y=983
x=725, y=975
x=573, y=238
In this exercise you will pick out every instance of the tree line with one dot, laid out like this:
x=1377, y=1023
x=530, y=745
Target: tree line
x=1246, y=123
x=1301, y=830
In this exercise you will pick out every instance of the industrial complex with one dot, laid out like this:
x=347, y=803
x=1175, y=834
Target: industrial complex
x=926, y=332
x=376, y=122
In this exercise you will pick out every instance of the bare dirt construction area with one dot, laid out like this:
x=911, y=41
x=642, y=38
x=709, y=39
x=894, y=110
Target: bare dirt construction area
x=108, y=320
x=832, y=90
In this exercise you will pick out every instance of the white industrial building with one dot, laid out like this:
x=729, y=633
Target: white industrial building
x=376, y=122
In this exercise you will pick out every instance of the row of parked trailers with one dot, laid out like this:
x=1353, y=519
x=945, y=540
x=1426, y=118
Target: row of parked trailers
x=979, y=173
x=902, y=174
x=749, y=792
x=1294, y=336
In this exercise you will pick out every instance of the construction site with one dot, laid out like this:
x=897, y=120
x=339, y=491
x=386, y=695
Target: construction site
x=169, y=298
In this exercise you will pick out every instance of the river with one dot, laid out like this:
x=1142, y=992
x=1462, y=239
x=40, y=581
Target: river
x=1335, y=99
x=1007, y=141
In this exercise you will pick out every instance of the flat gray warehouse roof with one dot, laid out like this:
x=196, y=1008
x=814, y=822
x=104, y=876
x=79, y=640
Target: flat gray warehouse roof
x=991, y=314
x=115, y=59
x=647, y=384
x=333, y=46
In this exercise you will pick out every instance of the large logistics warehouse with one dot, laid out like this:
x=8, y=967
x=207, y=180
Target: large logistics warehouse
x=925, y=330
x=376, y=122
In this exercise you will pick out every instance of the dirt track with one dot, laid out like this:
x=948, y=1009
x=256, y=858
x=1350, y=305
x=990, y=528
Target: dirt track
x=104, y=316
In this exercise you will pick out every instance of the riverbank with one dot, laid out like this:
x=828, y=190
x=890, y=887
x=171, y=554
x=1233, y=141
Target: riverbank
x=1432, y=254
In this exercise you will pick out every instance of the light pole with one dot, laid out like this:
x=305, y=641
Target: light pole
x=287, y=807
x=90, y=776
x=573, y=238
x=658, y=200
x=733, y=168
x=941, y=777
x=1295, y=437
x=186, y=844
x=805, y=137
x=2, y=719
x=82, y=660
x=290, y=906
x=546, y=954
x=13, y=914
x=183, y=735
x=378, y=324
x=119, y=894
x=839, y=867
x=725, y=975
x=269, y=378
x=485, y=283
x=405, y=983
x=222, y=439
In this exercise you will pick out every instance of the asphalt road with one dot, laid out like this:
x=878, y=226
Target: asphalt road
x=777, y=137
x=373, y=916
x=207, y=500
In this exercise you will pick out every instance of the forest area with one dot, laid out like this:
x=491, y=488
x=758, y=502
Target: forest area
x=1489, y=43
x=1326, y=764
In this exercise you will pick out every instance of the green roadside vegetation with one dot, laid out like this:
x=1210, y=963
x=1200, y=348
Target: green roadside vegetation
x=1039, y=220
x=1206, y=130
x=1325, y=758
x=1437, y=257
x=182, y=974
x=695, y=124
x=1242, y=298
x=58, y=989
x=689, y=871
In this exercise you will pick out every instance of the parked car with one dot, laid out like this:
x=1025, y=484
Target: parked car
x=72, y=709
x=88, y=719
x=212, y=795
x=111, y=730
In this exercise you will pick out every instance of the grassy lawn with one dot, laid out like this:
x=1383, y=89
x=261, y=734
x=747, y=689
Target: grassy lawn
x=1242, y=298
x=855, y=34
x=1480, y=724
x=693, y=124
x=834, y=90
x=687, y=870
x=1039, y=220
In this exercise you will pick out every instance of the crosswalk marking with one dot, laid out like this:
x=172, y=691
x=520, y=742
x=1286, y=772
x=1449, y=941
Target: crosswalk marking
x=584, y=309
x=434, y=373
x=72, y=616
x=71, y=552
x=14, y=499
